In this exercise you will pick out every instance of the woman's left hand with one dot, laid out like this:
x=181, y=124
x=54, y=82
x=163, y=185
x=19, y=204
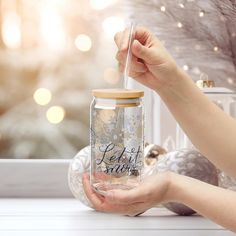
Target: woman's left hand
x=152, y=191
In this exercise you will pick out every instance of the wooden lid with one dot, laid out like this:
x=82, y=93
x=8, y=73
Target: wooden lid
x=117, y=93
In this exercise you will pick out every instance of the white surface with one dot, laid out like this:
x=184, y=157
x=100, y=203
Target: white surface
x=67, y=217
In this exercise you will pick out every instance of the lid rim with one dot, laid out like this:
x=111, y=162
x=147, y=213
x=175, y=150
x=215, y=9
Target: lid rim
x=117, y=93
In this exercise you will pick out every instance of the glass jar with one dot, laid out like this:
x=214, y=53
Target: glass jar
x=116, y=139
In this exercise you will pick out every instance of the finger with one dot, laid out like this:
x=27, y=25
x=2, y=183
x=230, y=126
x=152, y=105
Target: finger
x=125, y=40
x=135, y=65
x=101, y=176
x=142, y=52
x=132, y=74
x=121, y=67
x=100, y=203
x=94, y=198
x=118, y=38
x=142, y=34
x=125, y=197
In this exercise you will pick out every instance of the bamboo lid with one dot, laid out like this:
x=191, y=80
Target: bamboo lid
x=117, y=93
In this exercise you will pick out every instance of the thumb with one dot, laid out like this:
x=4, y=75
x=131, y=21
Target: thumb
x=141, y=51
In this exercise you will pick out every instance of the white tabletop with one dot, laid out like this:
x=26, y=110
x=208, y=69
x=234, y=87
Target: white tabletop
x=69, y=217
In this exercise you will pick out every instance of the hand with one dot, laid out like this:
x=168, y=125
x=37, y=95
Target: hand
x=151, y=64
x=152, y=191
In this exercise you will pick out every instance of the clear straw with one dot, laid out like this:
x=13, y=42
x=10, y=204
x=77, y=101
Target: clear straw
x=129, y=55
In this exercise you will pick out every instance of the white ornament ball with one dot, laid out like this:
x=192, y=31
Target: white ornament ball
x=79, y=165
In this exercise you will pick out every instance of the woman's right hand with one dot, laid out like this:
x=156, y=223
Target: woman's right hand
x=151, y=64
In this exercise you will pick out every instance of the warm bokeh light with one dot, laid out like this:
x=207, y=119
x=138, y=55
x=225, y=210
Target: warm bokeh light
x=185, y=67
x=112, y=25
x=42, y=96
x=216, y=49
x=230, y=80
x=179, y=24
x=111, y=75
x=11, y=33
x=55, y=114
x=201, y=13
x=83, y=42
x=101, y=4
x=51, y=28
x=163, y=8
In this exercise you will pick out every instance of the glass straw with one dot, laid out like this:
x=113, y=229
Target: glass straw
x=129, y=54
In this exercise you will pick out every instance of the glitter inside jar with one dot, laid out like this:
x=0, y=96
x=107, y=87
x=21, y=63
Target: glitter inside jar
x=116, y=139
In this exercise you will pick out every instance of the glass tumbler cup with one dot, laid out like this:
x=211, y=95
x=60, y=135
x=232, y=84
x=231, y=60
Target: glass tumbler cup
x=116, y=139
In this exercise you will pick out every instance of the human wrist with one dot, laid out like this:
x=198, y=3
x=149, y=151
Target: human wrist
x=172, y=80
x=175, y=188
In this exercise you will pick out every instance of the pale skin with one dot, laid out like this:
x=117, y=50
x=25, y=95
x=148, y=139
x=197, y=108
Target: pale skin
x=211, y=130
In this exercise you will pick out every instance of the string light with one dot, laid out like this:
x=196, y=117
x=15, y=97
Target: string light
x=42, y=96
x=83, y=42
x=163, y=8
x=216, y=49
x=179, y=24
x=185, y=67
x=181, y=5
x=201, y=13
x=55, y=114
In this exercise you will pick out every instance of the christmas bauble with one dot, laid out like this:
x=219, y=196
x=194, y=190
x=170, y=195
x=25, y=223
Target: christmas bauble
x=152, y=152
x=79, y=165
x=191, y=163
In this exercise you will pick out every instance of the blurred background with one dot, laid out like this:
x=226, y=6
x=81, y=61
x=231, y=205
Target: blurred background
x=52, y=54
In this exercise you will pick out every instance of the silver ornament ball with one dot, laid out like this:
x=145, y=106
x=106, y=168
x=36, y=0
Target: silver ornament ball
x=190, y=163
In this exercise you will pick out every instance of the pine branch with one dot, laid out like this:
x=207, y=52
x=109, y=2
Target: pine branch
x=206, y=38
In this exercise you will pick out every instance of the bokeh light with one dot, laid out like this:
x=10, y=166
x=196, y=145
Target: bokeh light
x=111, y=75
x=83, y=42
x=42, y=96
x=201, y=14
x=52, y=30
x=230, y=80
x=112, y=25
x=11, y=32
x=179, y=24
x=163, y=8
x=55, y=114
x=101, y=4
x=185, y=67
